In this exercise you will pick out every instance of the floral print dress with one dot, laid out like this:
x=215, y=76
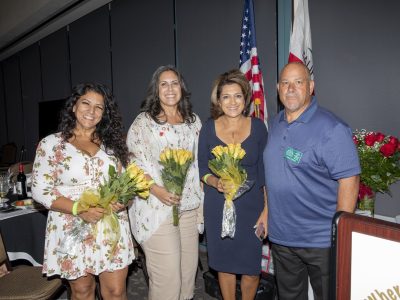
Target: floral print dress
x=60, y=169
x=146, y=139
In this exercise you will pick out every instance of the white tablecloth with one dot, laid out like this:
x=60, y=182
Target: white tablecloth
x=17, y=212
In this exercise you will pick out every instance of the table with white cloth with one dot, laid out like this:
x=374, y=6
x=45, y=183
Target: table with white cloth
x=23, y=232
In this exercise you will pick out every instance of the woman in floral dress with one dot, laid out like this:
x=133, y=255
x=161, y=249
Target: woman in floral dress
x=68, y=163
x=171, y=251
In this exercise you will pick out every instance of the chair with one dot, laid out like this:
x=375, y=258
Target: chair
x=25, y=282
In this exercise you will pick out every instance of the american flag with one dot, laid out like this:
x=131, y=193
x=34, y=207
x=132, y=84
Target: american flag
x=249, y=63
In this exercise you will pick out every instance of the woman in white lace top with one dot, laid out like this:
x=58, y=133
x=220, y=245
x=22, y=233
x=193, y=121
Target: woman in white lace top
x=171, y=251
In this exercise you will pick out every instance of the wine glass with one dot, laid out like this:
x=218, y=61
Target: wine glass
x=4, y=188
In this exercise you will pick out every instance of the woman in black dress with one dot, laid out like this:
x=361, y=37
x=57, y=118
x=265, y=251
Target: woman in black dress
x=230, y=124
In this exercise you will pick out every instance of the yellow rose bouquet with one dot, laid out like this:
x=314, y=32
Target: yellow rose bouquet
x=118, y=188
x=176, y=163
x=226, y=165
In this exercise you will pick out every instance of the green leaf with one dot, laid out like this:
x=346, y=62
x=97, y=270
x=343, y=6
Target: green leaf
x=111, y=171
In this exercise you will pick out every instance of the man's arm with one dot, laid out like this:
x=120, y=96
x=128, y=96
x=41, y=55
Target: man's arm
x=347, y=193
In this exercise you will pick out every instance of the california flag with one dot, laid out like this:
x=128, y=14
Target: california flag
x=300, y=48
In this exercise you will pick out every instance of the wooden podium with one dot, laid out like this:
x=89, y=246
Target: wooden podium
x=365, y=258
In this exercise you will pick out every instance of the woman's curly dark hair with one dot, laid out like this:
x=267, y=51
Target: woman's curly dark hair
x=108, y=130
x=151, y=105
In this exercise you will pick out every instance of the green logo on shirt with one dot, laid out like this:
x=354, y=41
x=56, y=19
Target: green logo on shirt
x=293, y=155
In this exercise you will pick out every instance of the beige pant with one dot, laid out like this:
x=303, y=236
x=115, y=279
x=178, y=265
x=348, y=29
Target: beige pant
x=172, y=257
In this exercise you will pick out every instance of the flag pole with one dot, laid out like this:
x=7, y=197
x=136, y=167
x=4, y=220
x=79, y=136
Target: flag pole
x=249, y=63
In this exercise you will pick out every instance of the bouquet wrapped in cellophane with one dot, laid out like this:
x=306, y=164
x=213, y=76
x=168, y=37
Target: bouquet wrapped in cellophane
x=176, y=163
x=118, y=188
x=226, y=165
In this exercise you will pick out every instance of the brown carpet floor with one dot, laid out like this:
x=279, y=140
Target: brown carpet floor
x=137, y=287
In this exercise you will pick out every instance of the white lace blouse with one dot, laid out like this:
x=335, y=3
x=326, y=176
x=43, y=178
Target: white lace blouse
x=146, y=139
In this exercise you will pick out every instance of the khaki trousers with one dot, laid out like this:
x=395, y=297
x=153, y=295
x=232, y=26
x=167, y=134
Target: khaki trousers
x=172, y=257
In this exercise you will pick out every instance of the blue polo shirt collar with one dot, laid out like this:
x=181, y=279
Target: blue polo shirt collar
x=306, y=115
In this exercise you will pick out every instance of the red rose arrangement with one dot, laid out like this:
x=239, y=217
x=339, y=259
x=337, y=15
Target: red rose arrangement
x=380, y=162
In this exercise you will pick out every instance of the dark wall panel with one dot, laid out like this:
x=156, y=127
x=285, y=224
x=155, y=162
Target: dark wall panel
x=142, y=40
x=31, y=95
x=356, y=65
x=208, y=36
x=356, y=68
x=14, y=107
x=90, y=48
x=3, y=115
x=55, y=65
x=266, y=28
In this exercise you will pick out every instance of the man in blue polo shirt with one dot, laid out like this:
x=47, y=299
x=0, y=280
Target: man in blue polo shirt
x=312, y=170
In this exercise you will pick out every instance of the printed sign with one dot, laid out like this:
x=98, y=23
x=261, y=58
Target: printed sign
x=375, y=268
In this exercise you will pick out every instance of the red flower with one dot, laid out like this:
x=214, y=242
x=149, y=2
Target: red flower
x=380, y=137
x=370, y=139
x=394, y=141
x=379, y=160
x=355, y=140
x=364, y=191
x=388, y=149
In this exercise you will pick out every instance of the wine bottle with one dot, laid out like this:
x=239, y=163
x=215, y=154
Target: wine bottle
x=21, y=183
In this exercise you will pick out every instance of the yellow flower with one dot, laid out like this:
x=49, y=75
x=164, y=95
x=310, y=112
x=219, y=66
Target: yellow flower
x=218, y=151
x=239, y=153
x=234, y=151
x=145, y=194
x=183, y=156
x=142, y=185
x=163, y=157
x=228, y=169
x=133, y=170
x=242, y=153
x=175, y=155
x=168, y=153
x=118, y=188
x=231, y=149
x=173, y=174
x=89, y=198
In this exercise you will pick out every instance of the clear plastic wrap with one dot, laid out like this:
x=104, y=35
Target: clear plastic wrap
x=73, y=239
x=229, y=211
